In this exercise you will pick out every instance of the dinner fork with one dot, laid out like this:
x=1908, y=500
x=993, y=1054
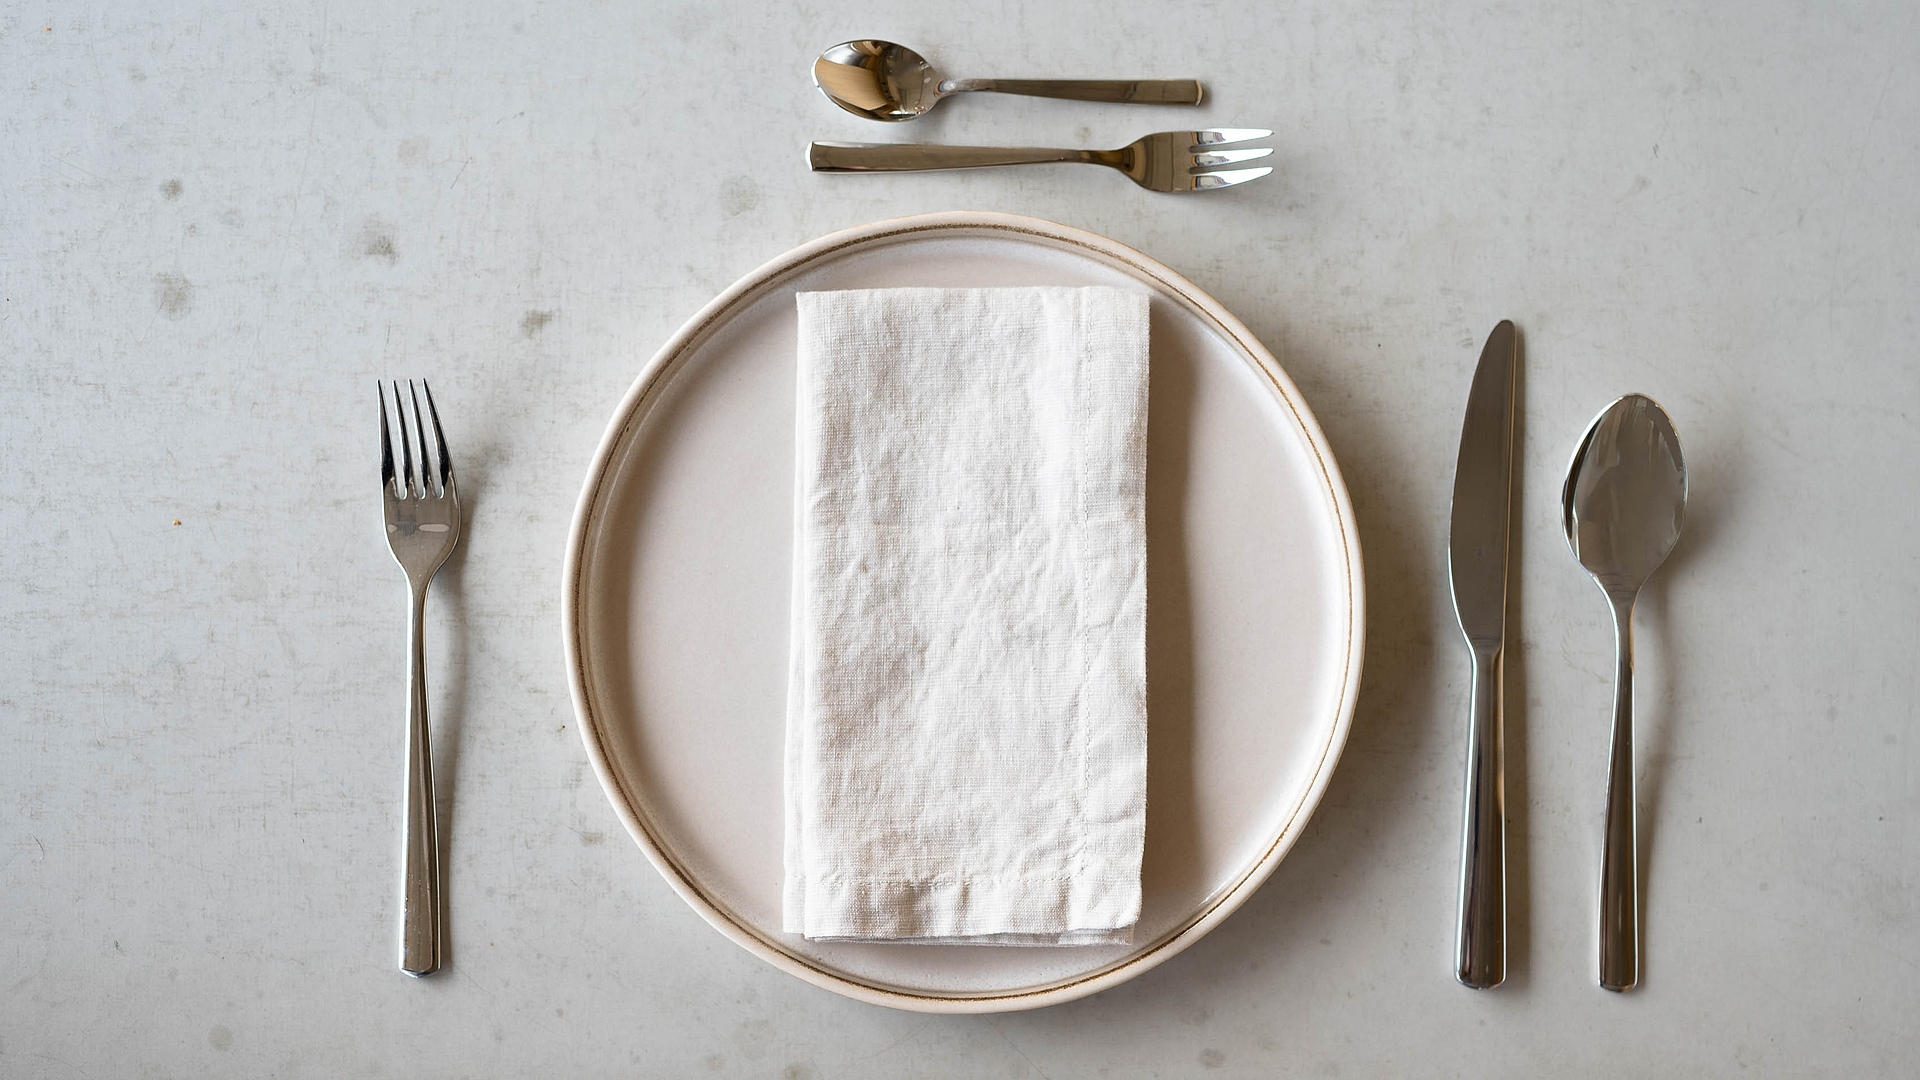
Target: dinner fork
x=423, y=525
x=1164, y=161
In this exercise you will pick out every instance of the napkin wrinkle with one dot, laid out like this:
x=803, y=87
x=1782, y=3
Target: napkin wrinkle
x=966, y=728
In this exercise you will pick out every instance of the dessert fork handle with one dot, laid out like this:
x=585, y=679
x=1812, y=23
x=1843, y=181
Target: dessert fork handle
x=420, y=901
x=915, y=157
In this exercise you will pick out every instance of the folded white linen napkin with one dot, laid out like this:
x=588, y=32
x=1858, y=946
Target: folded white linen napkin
x=966, y=714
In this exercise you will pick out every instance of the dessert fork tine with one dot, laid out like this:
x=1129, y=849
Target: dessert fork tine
x=1163, y=161
x=423, y=526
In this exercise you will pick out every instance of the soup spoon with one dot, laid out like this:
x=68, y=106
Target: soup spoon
x=1622, y=505
x=884, y=81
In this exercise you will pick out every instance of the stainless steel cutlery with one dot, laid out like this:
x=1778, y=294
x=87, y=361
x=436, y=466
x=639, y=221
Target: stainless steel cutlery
x=880, y=80
x=1164, y=161
x=1477, y=558
x=884, y=81
x=423, y=526
x=1622, y=507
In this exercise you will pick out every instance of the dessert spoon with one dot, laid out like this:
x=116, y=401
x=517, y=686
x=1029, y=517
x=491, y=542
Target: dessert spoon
x=1622, y=506
x=884, y=81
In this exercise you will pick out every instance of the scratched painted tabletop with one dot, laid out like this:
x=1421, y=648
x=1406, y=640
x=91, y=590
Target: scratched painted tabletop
x=219, y=227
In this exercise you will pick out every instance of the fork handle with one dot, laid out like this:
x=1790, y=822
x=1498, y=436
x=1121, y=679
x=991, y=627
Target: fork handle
x=1138, y=92
x=916, y=157
x=420, y=901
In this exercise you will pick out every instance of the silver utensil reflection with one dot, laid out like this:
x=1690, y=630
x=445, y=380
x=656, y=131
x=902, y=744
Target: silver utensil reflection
x=423, y=525
x=1164, y=161
x=883, y=81
x=1622, y=507
x=1477, y=562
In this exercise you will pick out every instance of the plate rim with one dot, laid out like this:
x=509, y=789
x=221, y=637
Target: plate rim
x=1225, y=901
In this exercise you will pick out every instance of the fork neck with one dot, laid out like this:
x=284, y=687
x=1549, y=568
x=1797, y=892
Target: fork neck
x=417, y=591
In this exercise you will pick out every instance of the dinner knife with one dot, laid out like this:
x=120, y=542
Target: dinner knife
x=1477, y=554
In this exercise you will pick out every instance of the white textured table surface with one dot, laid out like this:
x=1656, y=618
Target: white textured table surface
x=219, y=228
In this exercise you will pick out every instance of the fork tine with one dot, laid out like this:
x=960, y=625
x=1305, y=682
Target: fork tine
x=1228, y=157
x=1228, y=135
x=1228, y=177
x=440, y=440
x=426, y=455
x=406, y=444
x=386, y=440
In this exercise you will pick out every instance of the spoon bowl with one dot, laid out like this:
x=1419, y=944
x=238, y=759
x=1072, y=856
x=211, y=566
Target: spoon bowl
x=881, y=80
x=877, y=79
x=1625, y=495
x=1622, y=507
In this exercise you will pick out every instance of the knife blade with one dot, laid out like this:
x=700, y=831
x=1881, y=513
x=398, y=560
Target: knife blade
x=1477, y=558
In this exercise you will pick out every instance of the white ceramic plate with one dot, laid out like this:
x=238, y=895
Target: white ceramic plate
x=676, y=597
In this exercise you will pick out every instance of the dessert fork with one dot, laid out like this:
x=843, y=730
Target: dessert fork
x=1164, y=161
x=423, y=525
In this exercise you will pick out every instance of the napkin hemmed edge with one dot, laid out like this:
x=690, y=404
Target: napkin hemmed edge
x=1070, y=939
x=1092, y=906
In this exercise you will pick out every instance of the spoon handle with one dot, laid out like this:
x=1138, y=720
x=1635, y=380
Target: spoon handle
x=1138, y=92
x=1480, y=960
x=1619, y=859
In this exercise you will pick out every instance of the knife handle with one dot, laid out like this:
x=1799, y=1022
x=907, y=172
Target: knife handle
x=1480, y=961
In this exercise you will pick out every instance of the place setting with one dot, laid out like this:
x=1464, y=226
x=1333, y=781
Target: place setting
x=964, y=612
x=992, y=540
